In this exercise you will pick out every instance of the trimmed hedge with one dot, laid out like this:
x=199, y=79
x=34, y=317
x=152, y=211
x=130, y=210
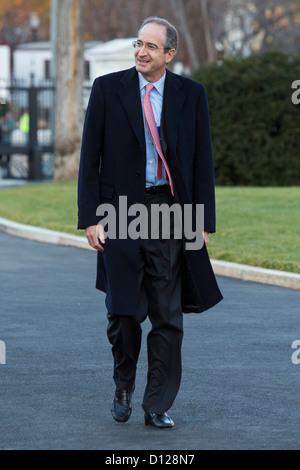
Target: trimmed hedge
x=255, y=126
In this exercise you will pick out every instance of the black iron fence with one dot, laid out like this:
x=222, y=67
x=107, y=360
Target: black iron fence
x=26, y=130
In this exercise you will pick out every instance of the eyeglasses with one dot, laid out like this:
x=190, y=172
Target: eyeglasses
x=149, y=47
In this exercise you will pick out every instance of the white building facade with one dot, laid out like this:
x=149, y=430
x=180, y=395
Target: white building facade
x=33, y=60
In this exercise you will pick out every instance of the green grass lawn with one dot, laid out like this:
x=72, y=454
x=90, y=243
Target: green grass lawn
x=259, y=226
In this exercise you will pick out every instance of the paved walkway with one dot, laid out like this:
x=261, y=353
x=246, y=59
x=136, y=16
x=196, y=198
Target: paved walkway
x=240, y=389
x=11, y=182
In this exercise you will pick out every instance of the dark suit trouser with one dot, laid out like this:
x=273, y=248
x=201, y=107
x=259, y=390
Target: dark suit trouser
x=160, y=299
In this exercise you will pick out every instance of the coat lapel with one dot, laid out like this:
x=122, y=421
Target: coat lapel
x=130, y=97
x=172, y=107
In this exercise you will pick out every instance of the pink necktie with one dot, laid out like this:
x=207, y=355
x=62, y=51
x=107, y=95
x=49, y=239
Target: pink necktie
x=151, y=124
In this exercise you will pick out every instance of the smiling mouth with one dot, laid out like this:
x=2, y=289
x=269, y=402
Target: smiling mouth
x=143, y=61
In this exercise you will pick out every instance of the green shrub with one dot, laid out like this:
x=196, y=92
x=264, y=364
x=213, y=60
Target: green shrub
x=255, y=126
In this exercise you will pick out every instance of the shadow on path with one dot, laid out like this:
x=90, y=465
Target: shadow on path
x=239, y=386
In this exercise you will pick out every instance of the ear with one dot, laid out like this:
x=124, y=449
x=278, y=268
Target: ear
x=169, y=55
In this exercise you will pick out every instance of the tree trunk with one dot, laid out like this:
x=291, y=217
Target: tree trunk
x=69, y=80
x=179, y=10
x=210, y=49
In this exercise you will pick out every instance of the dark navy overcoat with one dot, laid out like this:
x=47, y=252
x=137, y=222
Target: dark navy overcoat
x=113, y=161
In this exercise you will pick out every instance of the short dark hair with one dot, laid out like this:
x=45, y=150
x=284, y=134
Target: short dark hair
x=172, y=37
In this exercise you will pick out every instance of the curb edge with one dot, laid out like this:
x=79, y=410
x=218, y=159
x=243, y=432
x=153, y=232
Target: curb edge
x=221, y=268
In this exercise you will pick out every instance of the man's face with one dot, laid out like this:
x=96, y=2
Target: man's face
x=151, y=59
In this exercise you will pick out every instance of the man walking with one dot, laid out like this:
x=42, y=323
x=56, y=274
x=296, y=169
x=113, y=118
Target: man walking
x=147, y=137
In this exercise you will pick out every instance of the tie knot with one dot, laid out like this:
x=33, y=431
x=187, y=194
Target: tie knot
x=149, y=88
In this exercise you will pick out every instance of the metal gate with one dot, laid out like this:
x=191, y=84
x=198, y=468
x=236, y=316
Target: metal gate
x=26, y=130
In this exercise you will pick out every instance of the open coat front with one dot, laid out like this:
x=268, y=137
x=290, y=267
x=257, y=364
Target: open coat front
x=113, y=162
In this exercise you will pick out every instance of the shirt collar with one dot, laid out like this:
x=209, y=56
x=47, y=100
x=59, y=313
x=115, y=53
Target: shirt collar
x=159, y=85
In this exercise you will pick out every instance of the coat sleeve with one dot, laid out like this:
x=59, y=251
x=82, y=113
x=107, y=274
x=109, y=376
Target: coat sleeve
x=203, y=176
x=90, y=159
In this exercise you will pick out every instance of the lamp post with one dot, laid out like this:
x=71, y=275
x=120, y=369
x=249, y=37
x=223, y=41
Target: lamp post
x=34, y=22
x=53, y=27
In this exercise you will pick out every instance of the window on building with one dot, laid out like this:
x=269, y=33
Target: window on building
x=87, y=75
x=47, y=69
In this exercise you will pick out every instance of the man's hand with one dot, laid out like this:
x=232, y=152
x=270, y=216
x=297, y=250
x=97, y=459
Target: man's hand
x=93, y=234
x=206, y=237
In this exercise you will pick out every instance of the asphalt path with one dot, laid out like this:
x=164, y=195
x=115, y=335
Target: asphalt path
x=240, y=388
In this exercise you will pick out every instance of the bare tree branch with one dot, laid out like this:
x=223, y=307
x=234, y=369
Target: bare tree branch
x=210, y=49
x=178, y=8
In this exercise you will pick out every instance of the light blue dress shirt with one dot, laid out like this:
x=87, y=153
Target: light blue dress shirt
x=156, y=98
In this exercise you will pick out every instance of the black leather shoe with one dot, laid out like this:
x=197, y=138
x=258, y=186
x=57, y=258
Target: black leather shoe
x=159, y=421
x=121, y=406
